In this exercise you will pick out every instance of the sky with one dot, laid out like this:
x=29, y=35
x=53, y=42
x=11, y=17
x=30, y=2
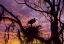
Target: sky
x=24, y=14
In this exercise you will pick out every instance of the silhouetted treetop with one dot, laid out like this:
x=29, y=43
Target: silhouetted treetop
x=52, y=8
x=31, y=33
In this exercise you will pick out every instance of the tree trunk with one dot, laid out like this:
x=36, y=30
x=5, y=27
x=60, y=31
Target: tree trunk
x=54, y=30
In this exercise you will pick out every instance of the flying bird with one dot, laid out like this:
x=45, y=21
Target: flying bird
x=32, y=21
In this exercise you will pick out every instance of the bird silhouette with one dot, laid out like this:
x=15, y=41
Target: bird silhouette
x=32, y=21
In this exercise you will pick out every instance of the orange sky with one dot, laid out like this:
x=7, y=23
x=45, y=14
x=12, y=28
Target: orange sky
x=13, y=38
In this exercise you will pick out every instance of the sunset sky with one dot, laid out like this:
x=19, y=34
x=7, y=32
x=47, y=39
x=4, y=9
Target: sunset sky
x=25, y=14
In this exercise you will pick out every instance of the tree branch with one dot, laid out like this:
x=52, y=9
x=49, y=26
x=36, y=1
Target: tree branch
x=49, y=2
x=61, y=27
x=18, y=2
x=17, y=20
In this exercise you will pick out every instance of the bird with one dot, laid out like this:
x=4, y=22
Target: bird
x=32, y=21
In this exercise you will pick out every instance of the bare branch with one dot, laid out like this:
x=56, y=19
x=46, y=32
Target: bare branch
x=49, y=2
x=18, y=2
x=34, y=8
x=17, y=20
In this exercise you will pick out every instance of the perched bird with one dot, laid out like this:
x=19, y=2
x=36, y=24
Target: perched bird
x=32, y=21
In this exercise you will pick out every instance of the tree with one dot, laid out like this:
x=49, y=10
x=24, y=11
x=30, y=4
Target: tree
x=52, y=8
x=30, y=32
x=14, y=19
